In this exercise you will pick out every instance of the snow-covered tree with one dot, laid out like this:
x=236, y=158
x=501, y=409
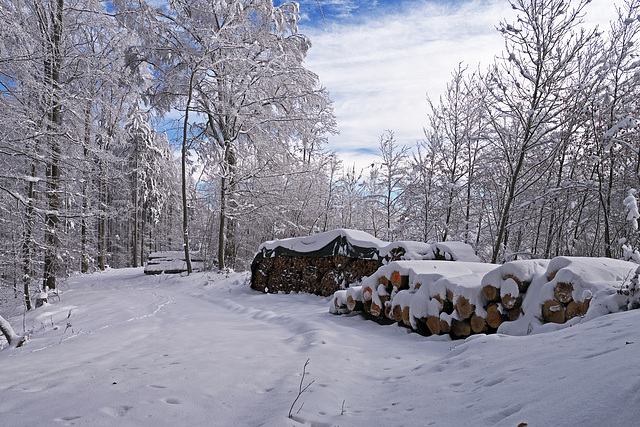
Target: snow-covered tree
x=526, y=89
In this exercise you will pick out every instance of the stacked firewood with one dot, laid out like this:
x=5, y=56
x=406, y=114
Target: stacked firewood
x=563, y=307
x=428, y=310
x=314, y=275
x=462, y=299
x=572, y=283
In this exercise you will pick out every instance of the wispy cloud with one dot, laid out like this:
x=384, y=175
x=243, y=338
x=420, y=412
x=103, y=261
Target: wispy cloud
x=380, y=68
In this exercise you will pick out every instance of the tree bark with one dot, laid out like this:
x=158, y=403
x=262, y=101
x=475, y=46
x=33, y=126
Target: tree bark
x=53, y=65
x=183, y=162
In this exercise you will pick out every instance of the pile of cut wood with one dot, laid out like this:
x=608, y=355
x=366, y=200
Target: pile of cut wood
x=172, y=262
x=324, y=263
x=320, y=276
x=462, y=298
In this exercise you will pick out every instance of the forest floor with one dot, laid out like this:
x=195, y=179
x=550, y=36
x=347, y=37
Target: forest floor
x=122, y=348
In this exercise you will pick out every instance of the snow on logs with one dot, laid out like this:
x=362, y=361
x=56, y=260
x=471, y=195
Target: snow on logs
x=464, y=298
x=573, y=283
x=172, y=262
x=327, y=262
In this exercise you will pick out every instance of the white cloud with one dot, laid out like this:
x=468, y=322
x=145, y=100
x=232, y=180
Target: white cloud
x=379, y=71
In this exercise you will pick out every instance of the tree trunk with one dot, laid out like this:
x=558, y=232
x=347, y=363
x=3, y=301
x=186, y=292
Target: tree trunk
x=8, y=332
x=84, y=256
x=183, y=162
x=52, y=79
x=27, y=244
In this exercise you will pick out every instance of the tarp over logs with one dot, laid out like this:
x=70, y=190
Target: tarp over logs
x=325, y=262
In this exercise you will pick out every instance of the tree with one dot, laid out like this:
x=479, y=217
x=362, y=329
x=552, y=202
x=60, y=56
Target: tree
x=526, y=90
x=392, y=173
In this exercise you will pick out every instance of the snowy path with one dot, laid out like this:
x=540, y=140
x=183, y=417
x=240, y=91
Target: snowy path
x=206, y=350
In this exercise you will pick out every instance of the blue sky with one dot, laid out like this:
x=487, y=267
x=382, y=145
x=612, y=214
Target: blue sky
x=379, y=59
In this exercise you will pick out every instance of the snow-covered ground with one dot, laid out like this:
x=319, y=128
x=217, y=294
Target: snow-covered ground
x=161, y=350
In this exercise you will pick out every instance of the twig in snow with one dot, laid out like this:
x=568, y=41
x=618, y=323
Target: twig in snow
x=301, y=389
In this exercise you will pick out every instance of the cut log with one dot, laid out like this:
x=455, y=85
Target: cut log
x=564, y=292
x=522, y=286
x=552, y=275
x=367, y=292
x=396, y=313
x=553, y=311
x=510, y=302
x=398, y=281
x=388, y=312
x=405, y=316
x=353, y=304
x=478, y=324
x=433, y=324
x=366, y=306
x=449, y=295
x=494, y=315
x=445, y=327
x=491, y=293
x=464, y=307
x=515, y=314
x=460, y=328
x=376, y=310
x=574, y=309
x=383, y=281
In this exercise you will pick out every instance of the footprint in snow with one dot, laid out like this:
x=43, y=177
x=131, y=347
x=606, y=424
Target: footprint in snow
x=68, y=418
x=172, y=401
x=116, y=411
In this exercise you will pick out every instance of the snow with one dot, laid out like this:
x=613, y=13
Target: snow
x=318, y=241
x=595, y=278
x=454, y=251
x=166, y=350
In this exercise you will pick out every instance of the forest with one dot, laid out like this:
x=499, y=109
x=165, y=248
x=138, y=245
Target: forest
x=133, y=126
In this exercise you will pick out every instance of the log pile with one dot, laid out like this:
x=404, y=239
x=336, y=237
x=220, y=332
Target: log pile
x=424, y=296
x=327, y=262
x=321, y=276
x=505, y=288
x=172, y=262
x=461, y=299
x=572, y=284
